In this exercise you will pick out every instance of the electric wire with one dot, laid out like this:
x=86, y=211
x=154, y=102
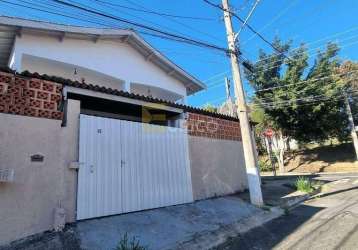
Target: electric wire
x=247, y=24
x=158, y=13
x=273, y=20
x=355, y=28
x=166, y=17
x=146, y=27
x=248, y=17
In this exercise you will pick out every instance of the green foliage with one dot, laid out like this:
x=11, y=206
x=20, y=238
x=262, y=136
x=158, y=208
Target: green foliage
x=304, y=184
x=211, y=108
x=126, y=244
x=348, y=74
x=290, y=109
x=264, y=165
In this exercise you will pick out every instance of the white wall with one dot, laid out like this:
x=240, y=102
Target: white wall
x=112, y=58
x=55, y=68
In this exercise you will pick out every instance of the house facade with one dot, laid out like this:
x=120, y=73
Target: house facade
x=118, y=59
x=94, y=123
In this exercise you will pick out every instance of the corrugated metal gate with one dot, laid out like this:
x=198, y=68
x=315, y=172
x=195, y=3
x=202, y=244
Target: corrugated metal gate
x=130, y=166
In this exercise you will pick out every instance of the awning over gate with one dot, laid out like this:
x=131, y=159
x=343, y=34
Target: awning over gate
x=104, y=105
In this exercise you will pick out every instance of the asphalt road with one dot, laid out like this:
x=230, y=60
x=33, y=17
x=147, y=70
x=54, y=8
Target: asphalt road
x=328, y=222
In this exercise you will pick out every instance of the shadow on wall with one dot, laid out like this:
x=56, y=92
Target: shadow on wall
x=217, y=167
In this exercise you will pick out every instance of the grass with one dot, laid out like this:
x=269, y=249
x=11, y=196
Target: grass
x=304, y=184
x=126, y=244
x=265, y=164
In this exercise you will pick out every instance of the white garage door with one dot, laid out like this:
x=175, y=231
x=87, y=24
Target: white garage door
x=130, y=166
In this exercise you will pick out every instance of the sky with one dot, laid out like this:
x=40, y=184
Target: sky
x=313, y=22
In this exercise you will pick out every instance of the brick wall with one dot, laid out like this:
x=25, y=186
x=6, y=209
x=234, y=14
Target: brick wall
x=29, y=96
x=211, y=127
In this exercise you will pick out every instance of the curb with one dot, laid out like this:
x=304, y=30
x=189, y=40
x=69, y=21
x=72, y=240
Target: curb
x=290, y=204
x=294, y=175
x=212, y=239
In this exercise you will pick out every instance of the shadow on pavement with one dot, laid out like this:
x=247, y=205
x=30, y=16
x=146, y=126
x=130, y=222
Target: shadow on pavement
x=276, y=192
x=272, y=233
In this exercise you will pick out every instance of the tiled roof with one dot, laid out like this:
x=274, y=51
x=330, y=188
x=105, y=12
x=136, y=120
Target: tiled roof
x=101, y=89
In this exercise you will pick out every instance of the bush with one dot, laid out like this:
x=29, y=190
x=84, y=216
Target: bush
x=304, y=184
x=125, y=244
x=264, y=165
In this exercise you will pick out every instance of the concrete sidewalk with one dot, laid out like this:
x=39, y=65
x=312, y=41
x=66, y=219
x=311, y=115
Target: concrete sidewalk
x=200, y=225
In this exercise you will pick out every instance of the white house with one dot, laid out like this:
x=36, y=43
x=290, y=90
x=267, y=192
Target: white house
x=108, y=135
x=119, y=59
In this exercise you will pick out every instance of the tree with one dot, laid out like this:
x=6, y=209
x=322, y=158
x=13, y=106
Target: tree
x=347, y=73
x=301, y=102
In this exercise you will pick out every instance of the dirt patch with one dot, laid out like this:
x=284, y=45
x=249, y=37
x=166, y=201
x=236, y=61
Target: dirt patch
x=336, y=158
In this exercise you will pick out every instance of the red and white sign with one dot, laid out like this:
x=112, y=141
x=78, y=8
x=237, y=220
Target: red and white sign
x=268, y=132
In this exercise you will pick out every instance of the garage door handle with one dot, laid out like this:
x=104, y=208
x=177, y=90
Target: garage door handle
x=122, y=163
x=91, y=168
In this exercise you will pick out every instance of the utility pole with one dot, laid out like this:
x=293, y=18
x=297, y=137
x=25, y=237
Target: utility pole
x=251, y=169
x=351, y=124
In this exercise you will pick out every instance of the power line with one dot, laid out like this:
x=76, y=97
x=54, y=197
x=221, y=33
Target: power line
x=301, y=82
x=244, y=5
x=51, y=12
x=317, y=12
x=213, y=86
x=311, y=100
x=158, y=13
x=342, y=46
x=278, y=16
x=213, y=82
x=217, y=75
x=153, y=29
x=215, y=100
x=248, y=17
x=242, y=21
x=108, y=5
x=141, y=18
x=91, y=21
x=312, y=42
x=296, y=92
x=309, y=54
x=308, y=100
x=170, y=19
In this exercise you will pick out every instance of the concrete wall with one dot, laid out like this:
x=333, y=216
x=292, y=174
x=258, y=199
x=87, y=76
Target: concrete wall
x=112, y=58
x=217, y=167
x=27, y=204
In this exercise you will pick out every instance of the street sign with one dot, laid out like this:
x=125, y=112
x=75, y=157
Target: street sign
x=268, y=132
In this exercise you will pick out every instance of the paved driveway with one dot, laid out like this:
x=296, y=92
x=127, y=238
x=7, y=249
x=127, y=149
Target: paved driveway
x=329, y=222
x=170, y=227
